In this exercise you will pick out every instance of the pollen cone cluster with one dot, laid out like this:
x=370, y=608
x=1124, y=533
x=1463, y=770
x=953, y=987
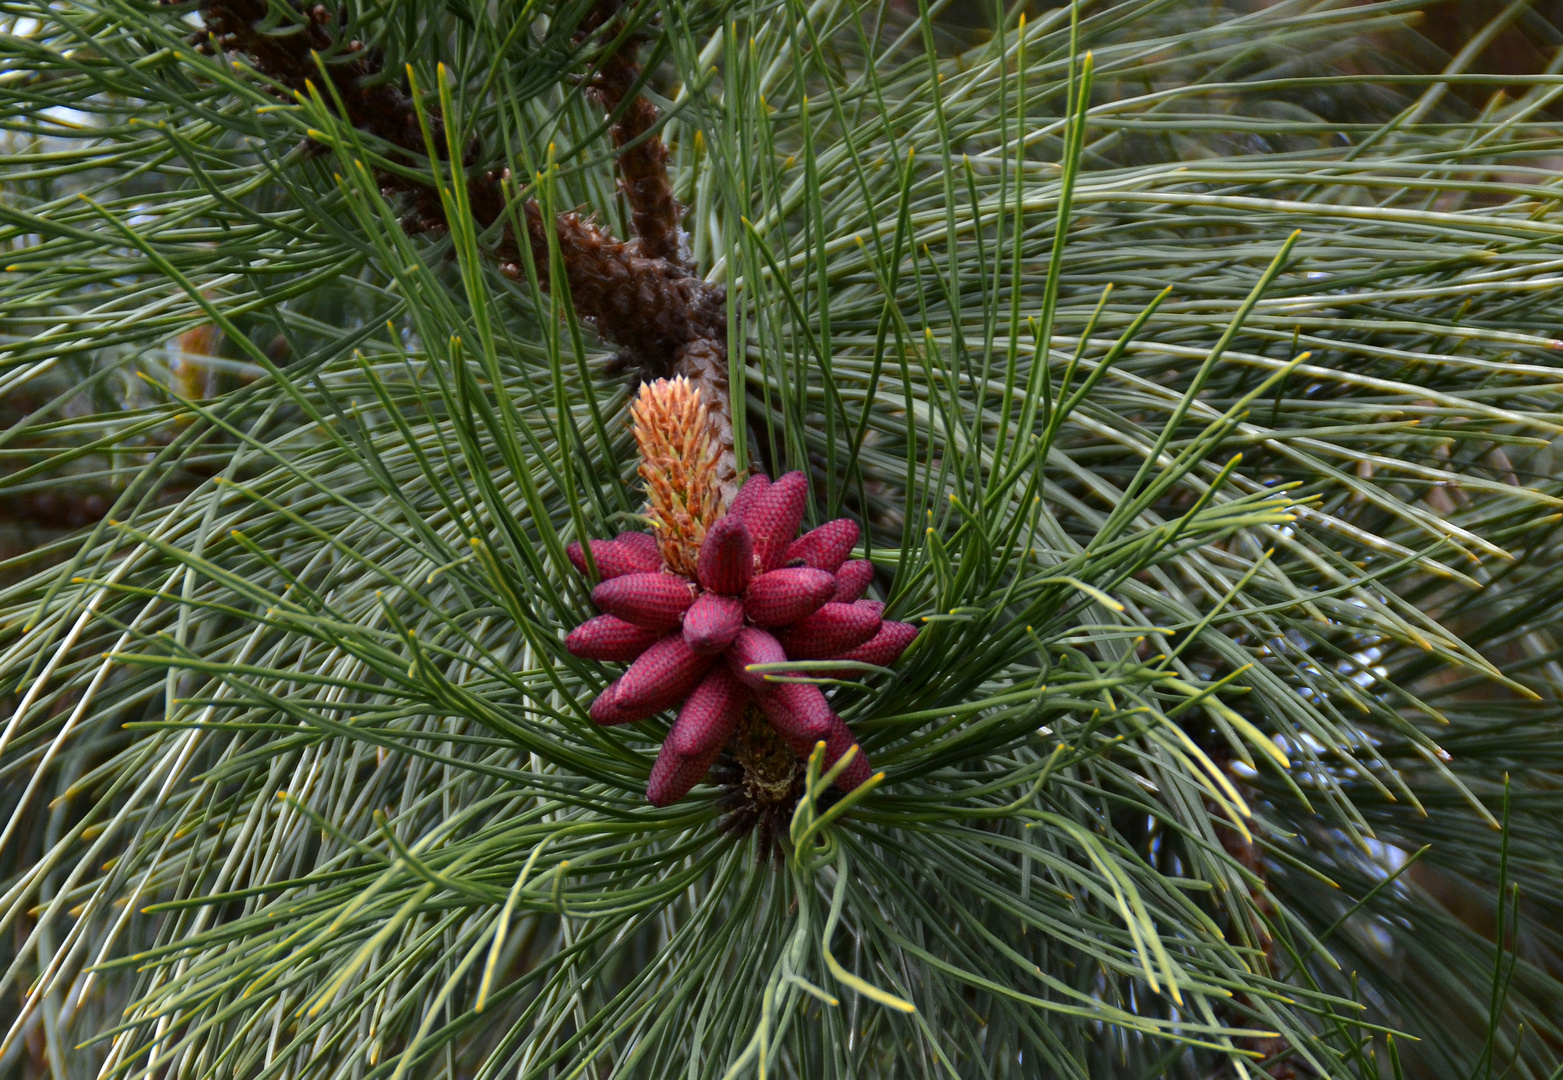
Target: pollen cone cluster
x=758, y=594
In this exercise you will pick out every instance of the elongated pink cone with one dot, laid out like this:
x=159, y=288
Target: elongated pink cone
x=610, y=638
x=852, y=580
x=675, y=774
x=885, y=647
x=605, y=710
x=753, y=488
x=708, y=715
x=644, y=545
x=712, y=623
x=799, y=713
x=726, y=557
x=753, y=646
x=832, y=630
x=826, y=547
x=775, y=516
x=656, y=600
x=785, y=596
x=837, y=742
x=614, y=559
x=662, y=676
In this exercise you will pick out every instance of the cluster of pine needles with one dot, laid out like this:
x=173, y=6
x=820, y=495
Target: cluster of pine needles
x=1193, y=370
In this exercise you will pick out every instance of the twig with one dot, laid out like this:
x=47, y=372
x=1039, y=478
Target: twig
x=639, y=295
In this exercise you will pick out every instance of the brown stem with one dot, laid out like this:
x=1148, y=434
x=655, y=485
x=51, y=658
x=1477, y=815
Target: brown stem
x=701, y=358
x=643, y=174
x=639, y=295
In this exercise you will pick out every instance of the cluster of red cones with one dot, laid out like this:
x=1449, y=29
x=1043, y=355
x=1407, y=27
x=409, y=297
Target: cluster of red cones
x=761, y=597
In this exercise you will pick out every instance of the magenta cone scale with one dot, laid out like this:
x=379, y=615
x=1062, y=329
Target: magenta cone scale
x=837, y=742
x=754, y=646
x=615, y=558
x=832, y=630
x=761, y=595
x=885, y=647
x=853, y=580
x=775, y=516
x=799, y=713
x=708, y=715
x=661, y=677
x=644, y=545
x=712, y=622
x=753, y=488
x=674, y=774
x=824, y=548
x=656, y=599
x=609, y=638
x=782, y=597
x=726, y=557
x=605, y=710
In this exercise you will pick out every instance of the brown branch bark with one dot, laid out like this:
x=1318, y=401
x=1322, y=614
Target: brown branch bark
x=640, y=295
x=643, y=175
x=655, y=213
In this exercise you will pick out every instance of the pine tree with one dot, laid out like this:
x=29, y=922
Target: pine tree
x=600, y=539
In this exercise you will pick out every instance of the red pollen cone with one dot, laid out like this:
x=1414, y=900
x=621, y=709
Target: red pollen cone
x=832, y=630
x=852, y=580
x=675, y=774
x=656, y=600
x=782, y=597
x=643, y=544
x=753, y=488
x=837, y=742
x=708, y=715
x=726, y=557
x=799, y=713
x=610, y=638
x=775, y=516
x=605, y=710
x=712, y=622
x=753, y=646
x=660, y=678
x=826, y=547
x=885, y=647
x=763, y=595
x=614, y=558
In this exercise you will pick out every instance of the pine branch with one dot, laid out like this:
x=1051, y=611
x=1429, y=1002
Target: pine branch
x=639, y=294
x=642, y=157
x=206, y=708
